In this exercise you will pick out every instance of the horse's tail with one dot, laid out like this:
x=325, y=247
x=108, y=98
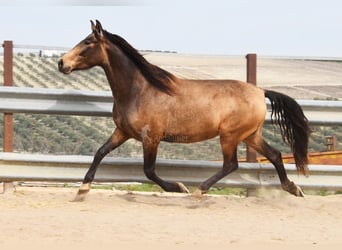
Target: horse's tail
x=294, y=127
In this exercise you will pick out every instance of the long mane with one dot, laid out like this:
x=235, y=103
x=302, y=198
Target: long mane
x=157, y=77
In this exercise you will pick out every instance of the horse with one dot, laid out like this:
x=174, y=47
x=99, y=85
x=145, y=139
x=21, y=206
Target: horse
x=153, y=105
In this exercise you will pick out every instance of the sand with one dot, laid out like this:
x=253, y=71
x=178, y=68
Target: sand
x=44, y=218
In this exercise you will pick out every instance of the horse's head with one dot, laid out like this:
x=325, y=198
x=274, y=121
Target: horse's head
x=86, y=54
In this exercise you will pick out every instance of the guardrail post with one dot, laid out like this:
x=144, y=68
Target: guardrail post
x=251, y=78
x=8, y=81
x=8, y=117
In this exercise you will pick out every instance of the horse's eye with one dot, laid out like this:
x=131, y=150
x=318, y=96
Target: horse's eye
x=87, y=42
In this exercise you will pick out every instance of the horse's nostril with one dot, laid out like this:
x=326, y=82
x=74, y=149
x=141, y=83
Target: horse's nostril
x=66, y=69
x=60, y=64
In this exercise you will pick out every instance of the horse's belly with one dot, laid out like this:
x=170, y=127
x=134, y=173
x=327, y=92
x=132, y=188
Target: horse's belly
x=189, y=137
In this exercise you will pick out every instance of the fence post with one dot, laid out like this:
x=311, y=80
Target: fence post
x=251, y=78
x=8, y=117
x=8, y=81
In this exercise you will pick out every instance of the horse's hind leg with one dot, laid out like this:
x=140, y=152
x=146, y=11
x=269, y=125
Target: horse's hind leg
x=150, y=154
x=117, y=138
x=274, y=156
x=230, y=163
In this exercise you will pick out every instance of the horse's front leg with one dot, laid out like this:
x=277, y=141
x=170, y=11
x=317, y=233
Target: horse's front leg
x=117, y=138
x=150, y=155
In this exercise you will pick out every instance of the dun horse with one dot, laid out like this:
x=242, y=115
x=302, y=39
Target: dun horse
x=152, y=105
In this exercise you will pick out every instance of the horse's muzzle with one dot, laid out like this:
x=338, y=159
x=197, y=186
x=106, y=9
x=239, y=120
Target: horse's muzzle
x=62, y=68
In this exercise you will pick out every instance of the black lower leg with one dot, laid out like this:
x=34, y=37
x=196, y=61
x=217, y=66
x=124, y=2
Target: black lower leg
x=274, y=156
x=100, y=154
x=167, y=186
x=228, y=167
x=150, y=154
x=114, y=141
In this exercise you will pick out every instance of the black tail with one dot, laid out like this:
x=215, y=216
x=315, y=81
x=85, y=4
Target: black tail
x=293, y=124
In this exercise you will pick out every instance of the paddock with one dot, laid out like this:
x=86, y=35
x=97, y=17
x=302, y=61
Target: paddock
x=44, y=218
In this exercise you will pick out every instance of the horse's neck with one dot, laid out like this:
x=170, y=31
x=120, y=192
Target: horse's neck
x=120, y=72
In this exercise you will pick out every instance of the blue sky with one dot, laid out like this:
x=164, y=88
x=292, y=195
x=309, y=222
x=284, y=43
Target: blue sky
x=214, y=27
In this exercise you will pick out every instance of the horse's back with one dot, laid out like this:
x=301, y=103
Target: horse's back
x=226, y=96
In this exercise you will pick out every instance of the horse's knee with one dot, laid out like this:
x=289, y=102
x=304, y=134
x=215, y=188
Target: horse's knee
x=228, y=168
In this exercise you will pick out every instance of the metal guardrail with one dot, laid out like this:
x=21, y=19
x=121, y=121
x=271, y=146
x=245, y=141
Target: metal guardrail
x=99, y=103
x=55, y=101
x=70, y=168
x=21, y=167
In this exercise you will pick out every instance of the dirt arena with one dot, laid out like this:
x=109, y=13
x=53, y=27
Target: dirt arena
x=43, y=218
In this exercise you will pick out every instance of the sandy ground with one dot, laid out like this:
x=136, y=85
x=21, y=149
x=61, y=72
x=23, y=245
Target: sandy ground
x=44, y=218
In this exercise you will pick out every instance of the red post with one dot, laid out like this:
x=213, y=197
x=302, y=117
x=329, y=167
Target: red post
x=251, y=78
x=8, y=81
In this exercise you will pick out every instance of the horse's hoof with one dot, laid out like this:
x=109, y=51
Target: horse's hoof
x=183, y=188
x=197, y=195
x=293, y=189
x=82, y=192
x=299, y=192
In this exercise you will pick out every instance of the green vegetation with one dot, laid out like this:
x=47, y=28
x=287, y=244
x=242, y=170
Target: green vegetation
x=84, y=135
x=148, y=187
x=144, y=187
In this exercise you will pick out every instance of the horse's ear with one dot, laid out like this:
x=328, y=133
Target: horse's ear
x=99, y=27
x=93, y=27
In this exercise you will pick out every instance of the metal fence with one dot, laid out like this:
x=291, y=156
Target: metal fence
x=26, y=167
x=72, y=168
x=99, y=103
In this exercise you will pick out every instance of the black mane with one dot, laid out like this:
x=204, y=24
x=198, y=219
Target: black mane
x=159, y=78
